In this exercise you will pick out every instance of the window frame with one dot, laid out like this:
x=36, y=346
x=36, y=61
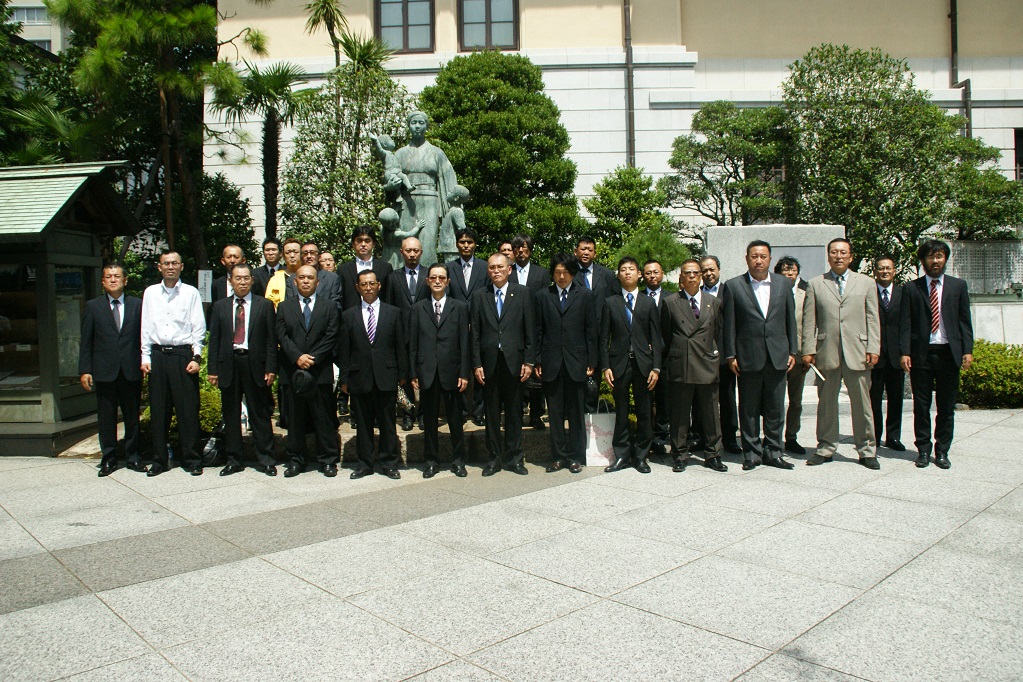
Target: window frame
x=46, y=21
x=487, y=24
x=377, y=5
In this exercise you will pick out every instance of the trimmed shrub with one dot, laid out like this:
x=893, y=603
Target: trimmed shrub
x=996, y=377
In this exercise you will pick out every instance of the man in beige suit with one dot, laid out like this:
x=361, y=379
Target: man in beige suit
x=842, y=338
x=691, y=326
x=788, y=266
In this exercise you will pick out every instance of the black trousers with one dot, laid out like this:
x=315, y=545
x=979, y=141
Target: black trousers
x=694, y=399
x=566, y=399
x=319, y=405
x=890, y=381
x=728, y=413
x=376, y=410
x=536, y=403
x=170, y=386
x=260, y=403
x=503, y=389
x=938, y=375
x=662, y=414
x=431, y=399
x=626, y=446
x=762, y=395
x=109, y=396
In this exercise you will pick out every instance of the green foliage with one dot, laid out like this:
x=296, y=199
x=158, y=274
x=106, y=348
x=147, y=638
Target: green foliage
x=871, y=152
x=225, y=217
x=995, y=379
x=986, y=206
x=727, y=168
x=504, y=137
x=332, y=182
x=654, y=239
x=621, y=202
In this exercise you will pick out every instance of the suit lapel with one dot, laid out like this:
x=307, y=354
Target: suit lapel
x=831, y=284
x=747, y=286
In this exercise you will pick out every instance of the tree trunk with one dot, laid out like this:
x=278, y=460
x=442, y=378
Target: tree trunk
x=188, y=189
x=271, y=165
x=168, y=179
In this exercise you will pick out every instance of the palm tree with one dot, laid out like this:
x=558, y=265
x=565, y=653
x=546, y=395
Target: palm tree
x=267, y=93
x=366, y=55
x=328, y=14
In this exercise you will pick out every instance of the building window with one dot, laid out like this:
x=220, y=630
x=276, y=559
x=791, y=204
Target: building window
x=31, y=16
x=45, y=44
x=488, y=24
x=405, y=25
x=1018, y=140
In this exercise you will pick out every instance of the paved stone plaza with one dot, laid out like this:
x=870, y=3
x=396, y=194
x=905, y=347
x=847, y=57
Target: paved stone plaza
x=826, y=573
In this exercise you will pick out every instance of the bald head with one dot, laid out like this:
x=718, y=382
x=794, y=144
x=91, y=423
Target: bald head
x=411, y=251
x=306, y=280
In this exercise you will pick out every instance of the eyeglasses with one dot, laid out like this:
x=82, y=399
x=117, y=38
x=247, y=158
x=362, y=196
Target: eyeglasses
x=241, y=278
x=437, y=278
x=367, y=285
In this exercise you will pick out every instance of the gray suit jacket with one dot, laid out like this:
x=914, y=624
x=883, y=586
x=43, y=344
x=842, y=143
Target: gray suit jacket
x=691, y=348
x=841, y=329
x=754, y=340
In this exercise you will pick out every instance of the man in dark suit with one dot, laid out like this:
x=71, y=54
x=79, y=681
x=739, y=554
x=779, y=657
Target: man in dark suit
x=887, y=375
x=404, y=288
x=364, y=244
x=109, y=360
x=710, y=266
x=330, y=284
x=691, y=324
x=536, y=278
x=760, y=344
x=467, y=274
x=242, y=362
x=229, y=257
x=261, y=275
x=503, y=353
x=653, y=276
x=439, y=361
x=795, y=381
x=630, y=356
x=566, y=332
x=373, y=361
x=307, y=330
x=592, y=275
x=936, y=343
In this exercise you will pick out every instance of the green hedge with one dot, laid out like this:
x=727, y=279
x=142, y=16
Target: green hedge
x=996, y=377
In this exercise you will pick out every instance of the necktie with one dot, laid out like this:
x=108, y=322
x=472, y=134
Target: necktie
x=412, y=284
x=586, y=277
x=652, y=294
x=628, y=309
x=935, y=306
x=500, y=303
x=884, y=298
x=371, y=325
x=841, y=285
x=436, y=311
x=467, y=271
x=564, y=298
x=117, y=313
x=696, y=308
x=239, y=321
x=307, y=312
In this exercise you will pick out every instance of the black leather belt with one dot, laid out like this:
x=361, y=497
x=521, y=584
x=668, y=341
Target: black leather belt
x=173, y=349
x=241, y=351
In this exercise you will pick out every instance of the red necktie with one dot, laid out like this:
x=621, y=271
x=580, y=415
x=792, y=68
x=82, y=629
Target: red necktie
x=239, y=322
x=935, y=317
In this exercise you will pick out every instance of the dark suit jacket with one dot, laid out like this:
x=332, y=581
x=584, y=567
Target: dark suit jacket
x=604, y=283
x=955, y=313
x=891, y=328
x=538, y=280
x=348, y=271
x=218, y=289
x=802, y=284
x=439, y=350
x=319, y=341
x=617, y=339
x=381, y=364
x=262, y=340
x=566, y=337
x=755, y=341
x=398, y=294
x=691, y=345
x=329, y=287
x=260, y=278
x=456, y=281
x=515, y=332
x=104, y=351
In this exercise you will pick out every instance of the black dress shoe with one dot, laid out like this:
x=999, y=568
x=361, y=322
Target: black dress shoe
x=794, y=447
x=479, y=421
x=941, y=461
x=895, y=445
x=519, y=469
x=195, y=470
x=679, y=465
x=459, y=470
x=156, y=470
x=293, y=470
x=406, y=424
x=617, y=465
x=393, y=474
x=137, y=466
x=107, y=469
x=778, y=463
x=556, y=465
x=641, y=466
x=429, y=471
x=267, y=470
x=231, y=469
x=870, y=463
x=923, y=460
x=329, y=470
x=360, y=473
x=491, y=469
x=576, y=467
x=715, y=463
x=816, y=459
x=733, y=448
x=748, y=464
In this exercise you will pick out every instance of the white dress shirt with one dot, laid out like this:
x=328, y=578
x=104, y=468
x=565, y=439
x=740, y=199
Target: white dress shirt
x=938, y=337
x=362, y=265
x=523, y=272
x=244, y=345
x=466, y=270
x=172, y=317
x=442, y=300
x=713, y=291
x=762, y=292
x=655, y=294
x=697, y=296
x=120, y=307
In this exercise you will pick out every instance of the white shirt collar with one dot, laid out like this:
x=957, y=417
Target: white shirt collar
x=757, y=282
x=503, y=290
x=119, y=299
x=940, y=279
x=312, y=299
x=247, y=298
x=890, y=288
x=635, y=294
